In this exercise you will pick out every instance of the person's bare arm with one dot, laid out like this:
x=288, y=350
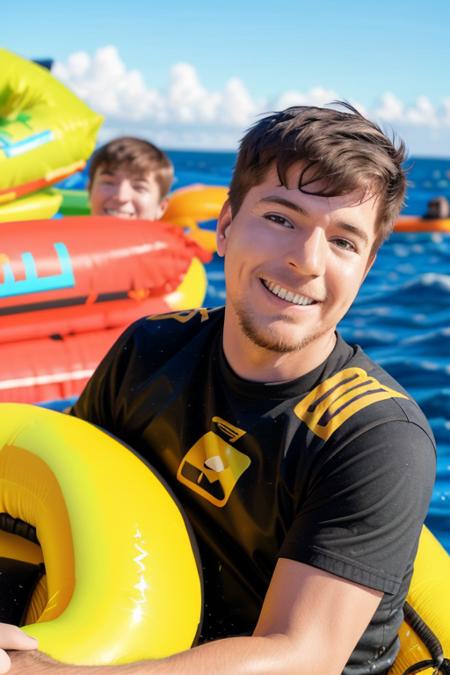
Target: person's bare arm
x=309, y=624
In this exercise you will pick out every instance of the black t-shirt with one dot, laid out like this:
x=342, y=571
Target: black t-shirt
x=334, y=469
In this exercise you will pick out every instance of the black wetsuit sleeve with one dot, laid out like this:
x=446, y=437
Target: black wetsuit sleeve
x=365, y=506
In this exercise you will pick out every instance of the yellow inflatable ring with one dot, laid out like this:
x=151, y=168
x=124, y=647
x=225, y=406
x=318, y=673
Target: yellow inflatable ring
x=138, y=590
x=46, y=131
x=191, y=292
x=104, y=518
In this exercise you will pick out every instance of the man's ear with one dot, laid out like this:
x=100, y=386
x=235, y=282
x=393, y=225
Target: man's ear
x=161, y=208
x=223, y=226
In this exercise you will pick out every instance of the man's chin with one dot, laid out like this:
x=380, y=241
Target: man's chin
x=280, y=340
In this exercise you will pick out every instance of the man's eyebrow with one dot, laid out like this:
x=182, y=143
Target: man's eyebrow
x=275, y=199
x=355, y=231
x=351, y=229
x=111, y=173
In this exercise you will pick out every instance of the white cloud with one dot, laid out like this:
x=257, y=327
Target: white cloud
x=391, y=109
x=107, y=86
x=237, y=107
x=422, y=113
x=104, y=82
x=186, y=98
x=446, y=108
x=316, y=96
x=188, y=114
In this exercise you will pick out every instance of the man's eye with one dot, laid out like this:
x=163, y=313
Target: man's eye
x=280, y=220
x=141, y=187
x=344, y=244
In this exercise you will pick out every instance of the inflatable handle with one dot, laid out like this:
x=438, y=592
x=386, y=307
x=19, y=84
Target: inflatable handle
x=104, y=518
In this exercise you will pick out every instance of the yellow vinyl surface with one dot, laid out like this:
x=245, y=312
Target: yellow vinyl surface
x=429, y=595
x=46, y=131
x=39, y=205
x=123, y=579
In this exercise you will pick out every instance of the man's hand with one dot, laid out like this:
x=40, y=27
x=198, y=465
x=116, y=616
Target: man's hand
x=12, y=637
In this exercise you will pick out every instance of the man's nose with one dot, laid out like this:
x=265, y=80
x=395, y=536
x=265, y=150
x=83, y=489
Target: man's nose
x=123, y=191
x=308, y=255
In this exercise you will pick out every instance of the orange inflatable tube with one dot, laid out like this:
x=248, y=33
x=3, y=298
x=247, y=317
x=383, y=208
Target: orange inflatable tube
x=418, y=224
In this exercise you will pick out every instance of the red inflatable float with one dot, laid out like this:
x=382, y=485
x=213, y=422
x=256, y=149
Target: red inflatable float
x=68, y=288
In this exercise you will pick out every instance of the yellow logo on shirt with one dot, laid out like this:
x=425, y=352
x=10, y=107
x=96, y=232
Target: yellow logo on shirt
x=182, y=317
x=339, y=397
x=212, y=467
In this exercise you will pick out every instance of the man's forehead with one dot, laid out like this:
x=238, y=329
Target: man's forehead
x=129, y=173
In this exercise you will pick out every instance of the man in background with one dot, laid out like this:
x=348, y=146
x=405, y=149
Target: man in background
x=129, y=178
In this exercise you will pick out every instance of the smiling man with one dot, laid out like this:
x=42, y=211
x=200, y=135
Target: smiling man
x=129, y=178
x=304, y=468
x=306, y=256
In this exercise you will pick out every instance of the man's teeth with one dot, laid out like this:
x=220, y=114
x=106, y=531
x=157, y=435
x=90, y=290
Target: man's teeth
x=289, y=296
x=118, y=214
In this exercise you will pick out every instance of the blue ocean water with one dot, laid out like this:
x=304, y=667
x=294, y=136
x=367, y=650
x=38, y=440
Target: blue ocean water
x=402, y=314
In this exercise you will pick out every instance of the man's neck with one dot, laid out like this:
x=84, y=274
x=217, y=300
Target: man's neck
x=255, y=363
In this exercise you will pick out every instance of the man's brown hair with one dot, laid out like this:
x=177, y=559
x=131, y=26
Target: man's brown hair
x=135, y=156
x=340, y=148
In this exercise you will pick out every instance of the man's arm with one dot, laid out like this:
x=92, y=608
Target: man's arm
x=309, y=625
x=12, y=637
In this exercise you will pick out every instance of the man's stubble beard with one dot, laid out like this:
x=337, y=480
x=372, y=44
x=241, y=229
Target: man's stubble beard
x=265, y=338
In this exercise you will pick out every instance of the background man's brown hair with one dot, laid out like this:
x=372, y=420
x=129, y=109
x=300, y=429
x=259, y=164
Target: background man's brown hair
x=137, y=157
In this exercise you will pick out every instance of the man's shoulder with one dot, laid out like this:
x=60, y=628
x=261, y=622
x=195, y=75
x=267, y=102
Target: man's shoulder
x=381, y=383
x=395, y=402
x=174, y=328
x=358, y=395
x=175, y=340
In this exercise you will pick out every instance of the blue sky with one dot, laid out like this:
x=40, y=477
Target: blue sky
x=196, y=74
